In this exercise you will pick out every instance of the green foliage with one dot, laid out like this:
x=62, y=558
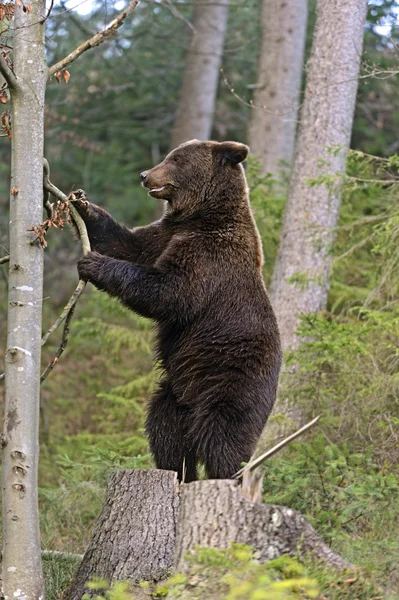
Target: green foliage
x=58, y=571
x=342, y=493
x=267, y=201
x=346, y=391
x=232, y=574
x=236, y=574
x=118, y=591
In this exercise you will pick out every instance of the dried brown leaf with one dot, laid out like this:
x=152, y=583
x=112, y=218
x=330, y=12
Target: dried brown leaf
x=6, y=124
x=6, y=11
x=66, y=74
x=14, y=191
x=57, y=75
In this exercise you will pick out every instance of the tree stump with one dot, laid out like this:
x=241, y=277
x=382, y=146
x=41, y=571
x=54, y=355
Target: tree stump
x=135, y=534
x=149, y=523
x=214, y=514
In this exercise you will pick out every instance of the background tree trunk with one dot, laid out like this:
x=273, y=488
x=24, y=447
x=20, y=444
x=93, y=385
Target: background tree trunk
x=272, y=130
x=301, y=275
x=21, y=565
x=194, y=116
x=135, y=534
x=142, y=533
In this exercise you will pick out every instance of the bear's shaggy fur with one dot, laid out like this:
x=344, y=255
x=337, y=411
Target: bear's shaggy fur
x=197, y=273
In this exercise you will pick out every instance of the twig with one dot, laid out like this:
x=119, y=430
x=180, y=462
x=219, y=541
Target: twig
x=4, y=260
x=70, y=306
x=84, y=238
x=7, y=73
x=69, y=309
x=258, y=461
x=48, y=12
x=94, y=41
x=355, y=247
x=62, y=346
x=46, y=198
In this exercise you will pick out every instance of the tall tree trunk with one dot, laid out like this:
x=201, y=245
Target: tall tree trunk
x=201, y=73
x=274, y=119
x=301, y=275
x=21, y=564
x=194, y=117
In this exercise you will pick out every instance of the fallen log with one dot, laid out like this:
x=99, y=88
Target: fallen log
x=149, y=523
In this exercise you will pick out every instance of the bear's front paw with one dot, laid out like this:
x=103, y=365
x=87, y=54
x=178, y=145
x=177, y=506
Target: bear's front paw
x=89, y=266
x=80, y=201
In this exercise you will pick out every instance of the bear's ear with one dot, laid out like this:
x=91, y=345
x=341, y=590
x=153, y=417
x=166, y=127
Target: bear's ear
x=233, y=152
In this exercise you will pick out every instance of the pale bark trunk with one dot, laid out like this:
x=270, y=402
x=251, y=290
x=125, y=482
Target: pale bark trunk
x=21, y=564
x=135, y=534
x=149, y=523
x=274, y=117
x=196, y=107
x=301, y=276
x=201, y=73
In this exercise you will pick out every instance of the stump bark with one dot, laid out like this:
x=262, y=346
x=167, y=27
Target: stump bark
x=215, y=514
x=149, y=523
x=135, y=534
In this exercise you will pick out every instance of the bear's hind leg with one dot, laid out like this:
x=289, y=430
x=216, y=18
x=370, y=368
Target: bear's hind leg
x=225, y=438
x=166, y=426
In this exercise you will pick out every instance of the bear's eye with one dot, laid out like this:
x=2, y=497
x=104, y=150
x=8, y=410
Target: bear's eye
x=175, y=159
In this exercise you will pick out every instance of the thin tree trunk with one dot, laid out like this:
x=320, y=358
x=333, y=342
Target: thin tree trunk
x=149, y=523
x=201, y=73
x=274, y=119
x=21, y=564
x=301, y=276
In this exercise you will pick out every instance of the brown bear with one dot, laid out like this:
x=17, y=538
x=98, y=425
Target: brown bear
x=197, y=273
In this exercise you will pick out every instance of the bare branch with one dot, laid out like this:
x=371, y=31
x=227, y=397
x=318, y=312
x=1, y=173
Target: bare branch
x=50, y=187
x=7, y=73
x=48, y=12
x=64, y=341
x=96, y=40
x=4, y=260
x=258, y=461
x=69, y=309
x=46, y=193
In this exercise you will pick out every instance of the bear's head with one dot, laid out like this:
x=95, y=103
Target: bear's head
x=196, y=173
